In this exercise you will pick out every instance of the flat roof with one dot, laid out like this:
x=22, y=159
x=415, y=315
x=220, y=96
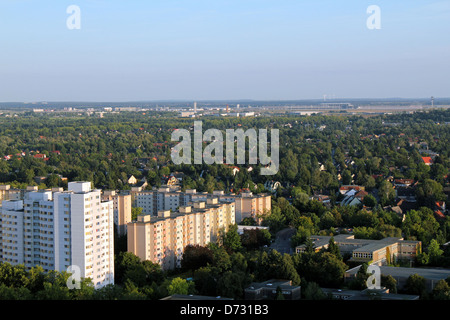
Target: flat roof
x=284, y=284
x=347, y=242
x=428, y=273
x=193, y=297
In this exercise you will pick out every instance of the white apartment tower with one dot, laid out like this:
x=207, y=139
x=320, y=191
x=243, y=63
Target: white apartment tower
x=60, y=229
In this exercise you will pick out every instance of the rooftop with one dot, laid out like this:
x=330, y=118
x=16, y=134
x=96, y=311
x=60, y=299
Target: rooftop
x=434, y=274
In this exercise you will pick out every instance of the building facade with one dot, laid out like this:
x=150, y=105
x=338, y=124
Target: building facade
x=121, y=209
x=170, y=198
x=59, y=229
x=162, y=238
x=379, y=252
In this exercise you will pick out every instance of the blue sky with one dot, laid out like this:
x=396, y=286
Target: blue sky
x=223, y=49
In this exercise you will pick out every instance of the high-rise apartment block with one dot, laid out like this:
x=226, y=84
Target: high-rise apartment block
x=8, y=193
x=121, y=209
x=57, y=229
x=248, y=205
x=162, y=238
x=170, y=198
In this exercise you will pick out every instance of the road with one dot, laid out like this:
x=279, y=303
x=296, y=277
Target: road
x=282, y=241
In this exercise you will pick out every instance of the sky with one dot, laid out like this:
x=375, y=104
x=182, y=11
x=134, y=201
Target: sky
x=138, y=50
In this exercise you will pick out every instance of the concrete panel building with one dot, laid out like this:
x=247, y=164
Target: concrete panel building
x=162, y=238
x=58, y=229
x=121, y=209
x=170, y=198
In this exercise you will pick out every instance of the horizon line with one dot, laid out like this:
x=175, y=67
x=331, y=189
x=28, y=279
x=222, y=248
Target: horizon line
x=221, y=100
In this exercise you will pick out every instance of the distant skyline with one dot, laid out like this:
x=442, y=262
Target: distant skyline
x=223, y=50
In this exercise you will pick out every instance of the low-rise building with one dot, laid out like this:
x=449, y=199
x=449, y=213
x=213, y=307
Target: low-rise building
x=268, y=290
x=378, y=252
x=366, y=294
x=401, y=275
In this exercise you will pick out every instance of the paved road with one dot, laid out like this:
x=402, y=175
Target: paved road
x=283, y=241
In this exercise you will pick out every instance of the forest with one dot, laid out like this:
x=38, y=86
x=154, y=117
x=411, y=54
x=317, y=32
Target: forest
x=107, y=150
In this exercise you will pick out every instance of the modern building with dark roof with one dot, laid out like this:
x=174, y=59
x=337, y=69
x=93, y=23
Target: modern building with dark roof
x=401, y=274
x=367, y=294
x=267, y=290
x=366, y=250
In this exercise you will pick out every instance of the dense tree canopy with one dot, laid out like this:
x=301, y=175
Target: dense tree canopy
x=318, y=154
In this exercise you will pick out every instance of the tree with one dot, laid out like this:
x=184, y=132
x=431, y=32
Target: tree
x=428, y=192
x=144, y=273
x=279, y=294
x=333, y=248
x=221, y=259
x=434, y=252
x=386, y=193
x=360, y=281
x=389, y=282
x=123, y=262
x=421, y=225
x=255, y=238
x=415, y=284
x=441, y=291
x=327, y=220
x=132, y=292
x=180, y=286
x=86, y=291
x=277, y=266
x=347, y=177
x=275, y=220
x=305, y=228
x=34, y=281
x=370, y=201
x=232, y=284
x=299, y=196
x=53, y=291
x=312, y=291
x=12, y=293
x=232, y=239
x=321, y=267
x=53, y=180
x=135, y=212
x=205, y=280
x=195, y=257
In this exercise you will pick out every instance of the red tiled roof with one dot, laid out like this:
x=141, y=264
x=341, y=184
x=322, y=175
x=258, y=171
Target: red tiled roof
x=361, y=194
x=439, y=214
x=427, y=160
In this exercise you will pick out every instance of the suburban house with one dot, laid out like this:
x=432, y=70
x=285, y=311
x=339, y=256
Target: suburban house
x=427, y=160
